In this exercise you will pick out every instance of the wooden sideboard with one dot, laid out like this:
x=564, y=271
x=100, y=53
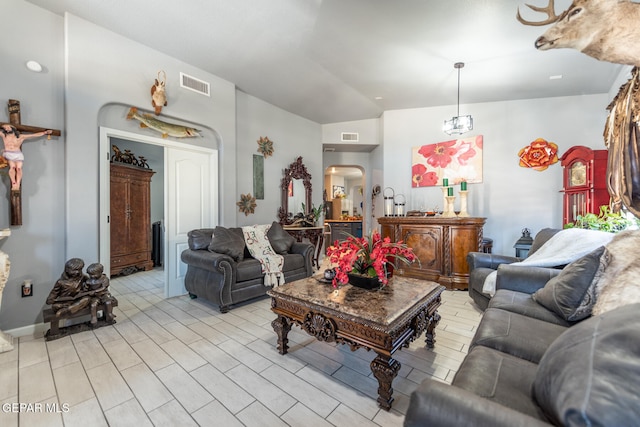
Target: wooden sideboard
x=441, y=245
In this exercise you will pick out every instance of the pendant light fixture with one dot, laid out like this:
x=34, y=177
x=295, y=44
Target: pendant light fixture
x=459, y=124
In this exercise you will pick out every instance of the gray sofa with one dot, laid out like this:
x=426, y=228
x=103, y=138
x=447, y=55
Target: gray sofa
x=539, y=357
x=220, y=269
x=482, y=264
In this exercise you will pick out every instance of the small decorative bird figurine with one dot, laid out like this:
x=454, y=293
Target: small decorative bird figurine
x=158, y=95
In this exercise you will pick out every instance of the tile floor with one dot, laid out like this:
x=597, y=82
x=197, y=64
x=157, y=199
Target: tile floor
x=179, y=362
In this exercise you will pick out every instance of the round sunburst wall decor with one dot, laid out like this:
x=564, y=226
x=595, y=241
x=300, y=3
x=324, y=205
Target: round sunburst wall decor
x=247, y=204
x=265, y=146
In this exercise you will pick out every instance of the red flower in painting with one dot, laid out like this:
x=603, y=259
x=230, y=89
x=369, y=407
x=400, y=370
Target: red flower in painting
x=440, y=154
x=538, y=155
x=422, y=178
x=467, y=154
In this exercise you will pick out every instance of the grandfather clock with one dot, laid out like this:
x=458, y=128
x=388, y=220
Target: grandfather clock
x=584, y=178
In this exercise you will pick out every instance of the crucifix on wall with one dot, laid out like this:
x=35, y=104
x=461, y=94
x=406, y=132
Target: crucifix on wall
x=13, y=134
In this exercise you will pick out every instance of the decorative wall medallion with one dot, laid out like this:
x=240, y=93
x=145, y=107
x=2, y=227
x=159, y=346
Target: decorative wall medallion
x=265, y=146
x=320, y=327
x=538, y=155
x=247, y=204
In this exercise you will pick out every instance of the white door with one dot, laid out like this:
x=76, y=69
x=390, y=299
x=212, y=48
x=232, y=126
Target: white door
x=191, y=194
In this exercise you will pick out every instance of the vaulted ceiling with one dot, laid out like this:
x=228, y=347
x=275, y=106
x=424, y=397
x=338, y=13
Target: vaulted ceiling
x=342, y=60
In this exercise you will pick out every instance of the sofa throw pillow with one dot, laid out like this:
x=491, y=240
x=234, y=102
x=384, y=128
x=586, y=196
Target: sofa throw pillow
x=228, y=241
x=200, y=238
x=590, y=374
x=571, y=293
x=619, y=284
x=280, y=240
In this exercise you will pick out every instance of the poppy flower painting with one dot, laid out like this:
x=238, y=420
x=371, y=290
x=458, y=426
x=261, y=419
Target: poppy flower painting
x=457, y=160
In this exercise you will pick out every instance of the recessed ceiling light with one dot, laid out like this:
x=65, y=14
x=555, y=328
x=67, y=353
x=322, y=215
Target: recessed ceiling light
x=556, y=77
x=34, y=66
x=378, y=98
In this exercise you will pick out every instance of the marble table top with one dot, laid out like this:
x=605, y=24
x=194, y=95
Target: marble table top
x=381, y=306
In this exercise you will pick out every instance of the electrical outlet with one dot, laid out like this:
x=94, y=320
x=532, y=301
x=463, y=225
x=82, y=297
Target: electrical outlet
x=27, y=289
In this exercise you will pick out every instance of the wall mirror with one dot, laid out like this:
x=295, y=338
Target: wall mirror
x=296, y=190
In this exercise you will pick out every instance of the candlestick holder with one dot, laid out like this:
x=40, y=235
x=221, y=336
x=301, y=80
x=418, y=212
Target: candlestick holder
x=449, y=212
x=444, y=199
x=463, y=203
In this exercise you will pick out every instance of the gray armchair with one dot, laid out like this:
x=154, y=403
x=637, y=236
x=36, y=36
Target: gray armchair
x=482, y=264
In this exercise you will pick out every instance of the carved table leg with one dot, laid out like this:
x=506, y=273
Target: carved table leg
x=431, y=334
x=282, y=327
x=385, y=369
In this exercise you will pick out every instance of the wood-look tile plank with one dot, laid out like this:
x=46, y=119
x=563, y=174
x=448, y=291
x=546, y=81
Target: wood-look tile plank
x=257, y=414
x=35, y=383
x=72, y=385
x=231, y=395
x=264, y=391
x=154, y=356
x=181, y=353
x=109, y=386
x=216, y=411
x=307, y=394
x=147, y=388
x=85, y=414
x=171, y=414
x=300, y=414
x=184, y=387
x=126, y=414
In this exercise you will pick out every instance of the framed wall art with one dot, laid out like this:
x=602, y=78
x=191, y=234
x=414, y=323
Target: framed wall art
x=258, y=176
x=457, y=160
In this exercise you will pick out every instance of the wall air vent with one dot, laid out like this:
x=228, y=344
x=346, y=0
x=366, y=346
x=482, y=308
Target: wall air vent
x=349, y=137
x=196, y=85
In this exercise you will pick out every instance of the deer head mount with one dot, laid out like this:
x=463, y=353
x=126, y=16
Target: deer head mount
x=607, y=30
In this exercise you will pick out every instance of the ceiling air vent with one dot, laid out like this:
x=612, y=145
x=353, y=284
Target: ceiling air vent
x=349, y=137
x=196, y=85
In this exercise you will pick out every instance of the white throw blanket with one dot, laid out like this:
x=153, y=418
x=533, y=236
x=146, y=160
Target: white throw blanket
x=255, y=236
x=562, y=248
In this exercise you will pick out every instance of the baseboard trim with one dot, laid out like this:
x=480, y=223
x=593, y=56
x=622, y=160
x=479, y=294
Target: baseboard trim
x=37, y=330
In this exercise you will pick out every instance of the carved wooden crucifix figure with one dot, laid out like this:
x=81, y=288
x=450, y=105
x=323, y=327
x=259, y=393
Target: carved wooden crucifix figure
x=13, y=134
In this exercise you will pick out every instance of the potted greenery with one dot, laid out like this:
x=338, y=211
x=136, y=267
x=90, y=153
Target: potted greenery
x=315, y=212
x=606, y=220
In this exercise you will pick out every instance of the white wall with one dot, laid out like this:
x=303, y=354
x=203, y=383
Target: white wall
x=292, y=136
x=368, y=132
x=35, y=248
x=104, y=68
x=510, y=197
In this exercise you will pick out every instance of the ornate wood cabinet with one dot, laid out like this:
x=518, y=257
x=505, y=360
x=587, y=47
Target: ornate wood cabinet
x=441, y=245
x=130, y=218
x=584, y=182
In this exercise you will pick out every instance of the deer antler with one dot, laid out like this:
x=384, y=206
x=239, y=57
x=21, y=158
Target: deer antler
x=549, y=10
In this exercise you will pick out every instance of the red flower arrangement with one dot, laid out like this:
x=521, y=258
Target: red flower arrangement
x=367, y=256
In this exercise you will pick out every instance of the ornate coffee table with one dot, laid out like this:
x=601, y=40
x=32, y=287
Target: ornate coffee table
x=381, y=320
